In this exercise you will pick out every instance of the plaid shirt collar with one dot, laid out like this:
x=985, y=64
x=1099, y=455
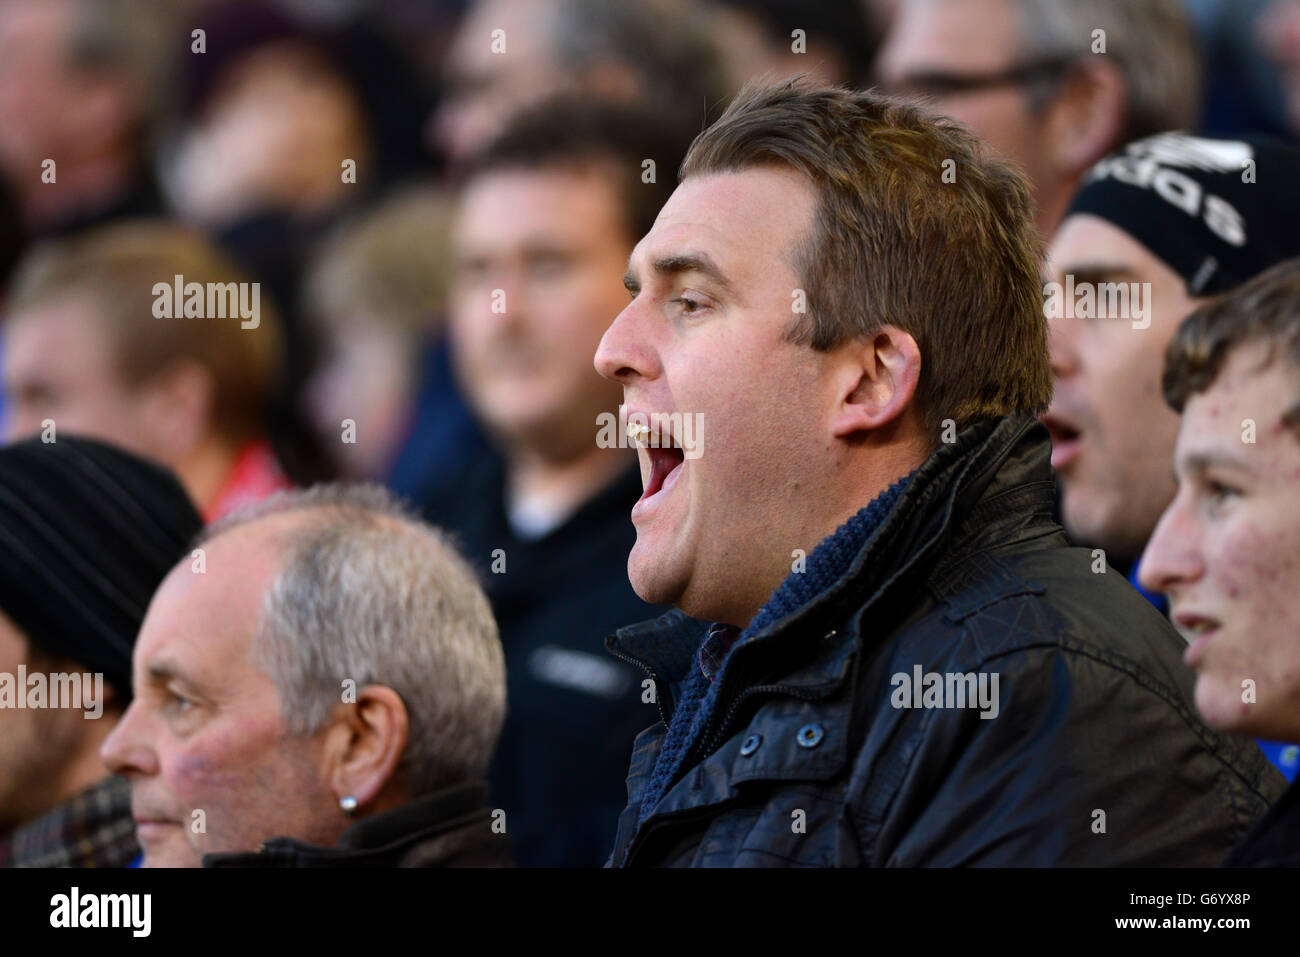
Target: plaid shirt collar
x=93, y=829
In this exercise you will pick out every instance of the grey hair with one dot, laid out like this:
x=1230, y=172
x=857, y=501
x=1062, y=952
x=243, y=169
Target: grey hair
x=369, y=592
x=1152, y=42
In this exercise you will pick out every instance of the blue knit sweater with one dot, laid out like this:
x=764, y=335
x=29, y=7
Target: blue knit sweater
x=825, y=566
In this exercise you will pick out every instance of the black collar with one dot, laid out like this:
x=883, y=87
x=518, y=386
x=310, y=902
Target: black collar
x=378, y=841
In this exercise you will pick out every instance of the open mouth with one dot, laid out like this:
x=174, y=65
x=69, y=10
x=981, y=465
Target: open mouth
x=665, y=464
x=666, y=459
x=1066, y=440
x=1196, y=631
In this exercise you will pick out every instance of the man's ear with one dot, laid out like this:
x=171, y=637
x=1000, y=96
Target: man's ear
x=364, y=746
x=877, y=381
x=1087, y=115
x=179, y=403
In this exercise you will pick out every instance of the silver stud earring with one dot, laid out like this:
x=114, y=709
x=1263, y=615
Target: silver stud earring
x=348, y=804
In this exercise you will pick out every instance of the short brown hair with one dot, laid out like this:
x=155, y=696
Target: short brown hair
x=1265, y=310
x=915, y=227
x=116, y=267
x=613, y=138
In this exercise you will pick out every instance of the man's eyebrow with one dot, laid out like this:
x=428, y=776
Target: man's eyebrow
x=1203, y=461
x=163, y=671
x=678, y=263
x=1095, y=271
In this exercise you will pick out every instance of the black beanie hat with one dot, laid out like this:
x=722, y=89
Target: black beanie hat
x=87, y=534
x=1216, y=211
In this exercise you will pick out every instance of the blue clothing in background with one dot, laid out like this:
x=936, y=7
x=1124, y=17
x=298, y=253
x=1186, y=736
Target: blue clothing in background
x=1157, y=599
x=443, y=438
x=1285, y=757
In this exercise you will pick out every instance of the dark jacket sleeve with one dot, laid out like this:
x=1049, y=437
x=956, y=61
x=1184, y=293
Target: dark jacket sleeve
x=1054, y=780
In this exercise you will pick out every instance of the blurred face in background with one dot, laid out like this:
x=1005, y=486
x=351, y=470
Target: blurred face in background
x=50, y=107
x=1278, y=35
x=58, y=363
x=1112, y=433
x=539, y=258
x=933, y=41
x=37, y=745
x=490, y=76
x=484, y=88
x=1227, y=550
x=271, y=138
x=35, y=80
x=365, y=373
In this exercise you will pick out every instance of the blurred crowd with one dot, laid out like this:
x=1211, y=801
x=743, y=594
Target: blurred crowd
x=416, y=217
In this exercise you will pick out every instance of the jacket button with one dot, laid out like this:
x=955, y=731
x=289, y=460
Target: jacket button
x=750, y=745
x=810, y=735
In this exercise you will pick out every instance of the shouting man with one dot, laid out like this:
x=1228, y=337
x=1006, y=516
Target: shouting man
x=898, y=659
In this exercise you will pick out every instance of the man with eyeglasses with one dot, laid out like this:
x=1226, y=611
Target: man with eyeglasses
x=1052, y=84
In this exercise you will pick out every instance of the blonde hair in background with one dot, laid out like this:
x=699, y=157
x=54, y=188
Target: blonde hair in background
x=115, y=269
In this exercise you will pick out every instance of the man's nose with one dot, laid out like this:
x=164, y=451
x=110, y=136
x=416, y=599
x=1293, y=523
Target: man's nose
x=1061, y=346
x=1172, y=557
x=623, y=355
x=125, y=751
x=506, y=299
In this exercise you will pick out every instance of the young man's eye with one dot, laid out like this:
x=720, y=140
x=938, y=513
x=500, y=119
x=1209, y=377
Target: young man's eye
x=689, y=305
x=1218, y=492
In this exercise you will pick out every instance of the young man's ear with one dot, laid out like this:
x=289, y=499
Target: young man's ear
x=877, y=381
x=180, y=402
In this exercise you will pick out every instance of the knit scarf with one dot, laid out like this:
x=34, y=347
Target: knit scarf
x=824, y=567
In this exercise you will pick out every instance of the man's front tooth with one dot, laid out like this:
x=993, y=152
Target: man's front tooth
x=637, y=433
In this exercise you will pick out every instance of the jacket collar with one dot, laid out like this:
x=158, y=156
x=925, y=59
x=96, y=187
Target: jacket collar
x=935, y=506
x=378, y=841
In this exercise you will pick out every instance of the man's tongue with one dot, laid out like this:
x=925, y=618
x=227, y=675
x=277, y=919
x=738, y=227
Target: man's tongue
x=662, y=463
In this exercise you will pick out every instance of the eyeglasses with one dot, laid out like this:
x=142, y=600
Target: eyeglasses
x=934, y=83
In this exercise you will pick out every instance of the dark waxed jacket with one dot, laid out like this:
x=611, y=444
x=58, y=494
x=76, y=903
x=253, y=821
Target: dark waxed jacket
x=1275, y=839
x=1095, y=757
